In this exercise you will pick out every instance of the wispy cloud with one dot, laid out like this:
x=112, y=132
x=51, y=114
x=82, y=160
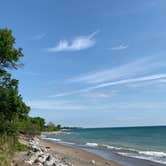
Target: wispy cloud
x=99, y=95
x=128, y=70
x=138, y=72
x=78, y=43
x=39, y=36
x=57, y=105
x=114, y=83
x=119, y=47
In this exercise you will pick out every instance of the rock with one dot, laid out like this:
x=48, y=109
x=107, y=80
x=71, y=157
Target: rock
x=40, y=164
x=93, y=162
x=35, y=148
x=33, y=158
x=49, y=163
x=42, y=158
x=39, y=156
x=39, y=160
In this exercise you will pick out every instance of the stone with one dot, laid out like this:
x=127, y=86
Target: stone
x=49, y=163
x=93, y=162
x=40, y=156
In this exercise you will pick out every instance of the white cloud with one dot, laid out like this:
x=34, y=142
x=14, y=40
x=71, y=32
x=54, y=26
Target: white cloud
x=129, y=70
x=119, y=47
x=78, y=43
x=114, y=83
x=140, y=72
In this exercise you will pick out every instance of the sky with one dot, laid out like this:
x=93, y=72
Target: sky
x=91, y=63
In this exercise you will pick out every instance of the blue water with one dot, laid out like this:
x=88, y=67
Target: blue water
x=148, y=143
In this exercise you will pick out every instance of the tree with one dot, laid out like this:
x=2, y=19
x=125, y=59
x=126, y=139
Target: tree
x=12, y=107
x=50, y=127
x=9, y=55
x=58, y=127
x=40, y=122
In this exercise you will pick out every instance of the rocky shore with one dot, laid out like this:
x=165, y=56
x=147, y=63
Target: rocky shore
x=39, y=155
x=46, y=153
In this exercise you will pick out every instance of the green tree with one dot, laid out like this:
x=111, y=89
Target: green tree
x=12, y=107
x=40, y=122
x=9, y=55
x=50, y=127
x=58, y=127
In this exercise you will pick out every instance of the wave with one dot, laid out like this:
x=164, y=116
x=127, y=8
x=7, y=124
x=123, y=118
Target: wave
x=153, y=153
x=68, y=143
x=111, y=147
x=91, y=144
x=154, y=156
x=53, y=139
x=59, y=141
x=67, y=133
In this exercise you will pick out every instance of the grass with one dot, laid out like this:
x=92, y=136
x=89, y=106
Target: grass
x=21, y=148
x=8, y=146
x=6, y=149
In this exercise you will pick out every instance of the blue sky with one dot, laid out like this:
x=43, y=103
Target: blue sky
x=91, y=63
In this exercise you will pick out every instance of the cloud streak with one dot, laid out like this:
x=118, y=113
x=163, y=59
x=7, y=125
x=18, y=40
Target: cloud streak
x=119, y=47
x=77, y=44
x=99, y=95
x=114, y=83
x=55, y=105
x=125, y=71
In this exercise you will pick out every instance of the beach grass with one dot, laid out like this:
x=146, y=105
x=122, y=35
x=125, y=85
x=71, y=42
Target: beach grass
x=8, y=146
x=6, y=149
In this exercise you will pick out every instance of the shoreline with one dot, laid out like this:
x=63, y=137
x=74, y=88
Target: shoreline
x=100, y=159
x=110, y=154
x=74, y=155
x=77, y=156
x=67, y=156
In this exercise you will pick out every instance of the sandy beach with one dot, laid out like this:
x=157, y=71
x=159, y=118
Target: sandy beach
x=75, y=157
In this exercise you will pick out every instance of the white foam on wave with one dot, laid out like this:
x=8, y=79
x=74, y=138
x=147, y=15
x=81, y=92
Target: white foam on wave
x=67, y=133
x=111, y=147
x=153, y=153
x=59, y=140
x=154, y=156
x=53, y=139
x=68, y=143
x=157, y=157
x=91, y=144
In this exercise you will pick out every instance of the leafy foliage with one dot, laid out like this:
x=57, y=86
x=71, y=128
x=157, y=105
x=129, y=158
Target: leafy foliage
x=12, y=107
x=9, y=55
x=13, y=111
